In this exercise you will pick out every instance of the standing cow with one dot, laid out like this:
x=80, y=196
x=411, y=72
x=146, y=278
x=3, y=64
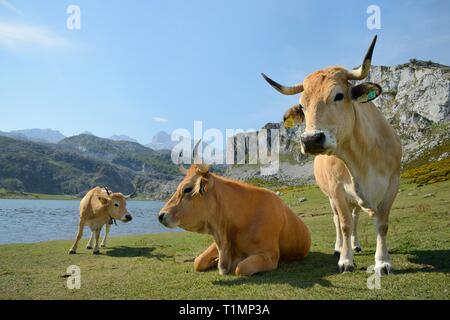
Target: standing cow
x=99, y=207
x=358, y=154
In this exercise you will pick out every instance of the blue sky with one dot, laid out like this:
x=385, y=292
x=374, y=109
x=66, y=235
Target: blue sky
x=138, y=67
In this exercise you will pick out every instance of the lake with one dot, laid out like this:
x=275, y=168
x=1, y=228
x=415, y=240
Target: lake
x=23, y=221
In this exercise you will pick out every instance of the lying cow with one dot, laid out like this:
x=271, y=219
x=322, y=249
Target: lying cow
x=357, y=163
x=100, y=207
x=252, y=227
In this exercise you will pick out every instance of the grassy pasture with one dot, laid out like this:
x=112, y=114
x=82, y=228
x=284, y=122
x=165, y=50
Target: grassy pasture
x=161, y=266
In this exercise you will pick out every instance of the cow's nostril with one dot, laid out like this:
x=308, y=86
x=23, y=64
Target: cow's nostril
x=317, y=138
x=161, y=217
x=128, y=217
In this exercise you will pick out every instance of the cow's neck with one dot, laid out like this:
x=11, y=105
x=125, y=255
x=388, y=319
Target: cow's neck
x=220, y=224
x=355, y=153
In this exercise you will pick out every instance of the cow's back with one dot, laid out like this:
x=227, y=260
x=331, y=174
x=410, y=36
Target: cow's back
x=87, y=205
x=295, y=238
x=260, y=218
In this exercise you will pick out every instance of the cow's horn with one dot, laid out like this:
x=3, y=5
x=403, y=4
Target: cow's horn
x=108, y=192
x=363, y=70
x=133, y=194
x=284, y=90
x=202, y=167
x=195, y=151
x=181, y=167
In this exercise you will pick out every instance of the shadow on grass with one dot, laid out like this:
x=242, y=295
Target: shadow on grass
x=132, y=252
x=427, y=261
x=304, y=273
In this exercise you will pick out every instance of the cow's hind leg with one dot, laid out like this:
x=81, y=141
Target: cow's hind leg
x=383, y=263
x=107, y=228
x=73, y=250
x=208, y=259
x=257, y=263
x=356, y=246
x=97, y=237
x=90, y=243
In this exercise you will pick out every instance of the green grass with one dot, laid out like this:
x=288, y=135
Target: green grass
x=161, y=266
x=9, y=194
x=425, y=169
x=429, y=172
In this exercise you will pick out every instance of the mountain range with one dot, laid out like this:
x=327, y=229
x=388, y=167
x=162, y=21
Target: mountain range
x=76, y=164
x=53, y=136
x=415, y=100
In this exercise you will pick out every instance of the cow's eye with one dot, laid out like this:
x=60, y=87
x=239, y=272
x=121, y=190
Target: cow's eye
x=188, y=190
x=116, y=204
x=339, y=97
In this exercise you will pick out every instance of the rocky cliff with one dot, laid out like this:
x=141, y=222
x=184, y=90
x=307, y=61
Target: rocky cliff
x=415, y=100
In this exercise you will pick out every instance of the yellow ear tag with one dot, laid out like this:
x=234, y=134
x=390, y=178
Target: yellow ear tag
x=289, y=123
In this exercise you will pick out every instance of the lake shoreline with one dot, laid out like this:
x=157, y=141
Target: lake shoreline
x=86, y=235
x=11, y=195
x=36, y=220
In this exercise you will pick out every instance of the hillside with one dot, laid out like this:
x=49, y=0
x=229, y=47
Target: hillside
x=415, y=100
x=77, y=163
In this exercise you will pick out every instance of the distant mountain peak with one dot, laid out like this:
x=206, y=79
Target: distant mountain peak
x=40, y=135
x=161, y=141
x=122, y=137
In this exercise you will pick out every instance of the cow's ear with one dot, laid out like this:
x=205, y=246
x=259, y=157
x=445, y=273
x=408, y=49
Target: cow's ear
x=365, y=92
x=293, y=116
x=103, y=200
x=202, y=185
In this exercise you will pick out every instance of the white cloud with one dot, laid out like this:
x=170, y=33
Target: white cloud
x=160, y=119
x=8, y=5
x=13, y=36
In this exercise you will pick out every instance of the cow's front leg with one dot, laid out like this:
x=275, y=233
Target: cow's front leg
x=90, y=243
x=258, y=263
x=225, y=260
x=107, y=227
x=356, y=246
x=345, y=263
x=208, y=259
x=74, y=247
x=337, y=225
x=97, y=237
x=383, y=263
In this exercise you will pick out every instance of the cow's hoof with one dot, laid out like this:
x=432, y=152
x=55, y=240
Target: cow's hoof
x=89, y=247
x=71, y=251
x=357, y=249
x=342, y=268
x=337, y=254
x=103, y=245
x=96, y=252
x=384, y=269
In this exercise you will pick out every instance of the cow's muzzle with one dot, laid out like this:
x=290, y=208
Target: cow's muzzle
x=314, y=143
x=167, y=219
x=162, y=217
x=127, y=218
